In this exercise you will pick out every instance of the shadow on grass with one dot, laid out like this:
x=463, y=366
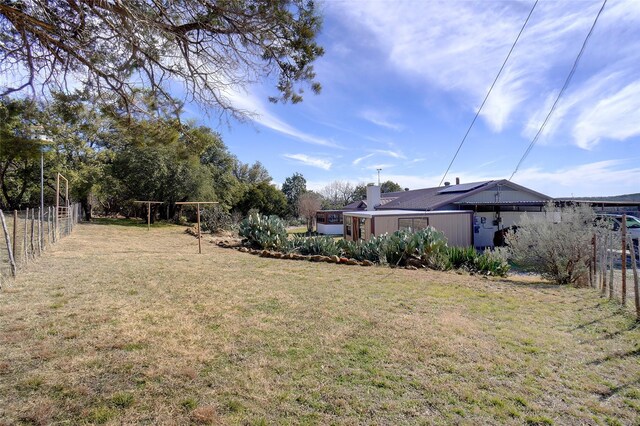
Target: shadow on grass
x=133, y=223
x=616, y=356
x=635, y=325
x=617, y=389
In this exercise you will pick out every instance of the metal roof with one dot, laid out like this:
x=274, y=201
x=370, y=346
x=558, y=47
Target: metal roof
x=375, y=213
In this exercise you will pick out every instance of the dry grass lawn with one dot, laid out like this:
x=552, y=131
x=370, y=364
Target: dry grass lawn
x=117, y=325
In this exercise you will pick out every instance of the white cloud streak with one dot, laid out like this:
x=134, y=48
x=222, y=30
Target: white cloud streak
x=259, y=114
x=308, y=160
x=380, y=119
x=459, y=46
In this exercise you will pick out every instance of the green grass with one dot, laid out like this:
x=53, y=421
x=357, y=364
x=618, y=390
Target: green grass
x=120, y=325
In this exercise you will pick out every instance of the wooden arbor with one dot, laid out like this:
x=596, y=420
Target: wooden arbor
x=197, y=203
x=148, y=203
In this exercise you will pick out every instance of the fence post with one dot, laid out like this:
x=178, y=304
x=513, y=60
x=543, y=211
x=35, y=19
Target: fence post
x=49, y=221
x=25, y=245
x=39, y=245
x=623, y=230
x=32, y=246
x=604, y=265
x=634, y=265
x=611, y=284
x=8, y=241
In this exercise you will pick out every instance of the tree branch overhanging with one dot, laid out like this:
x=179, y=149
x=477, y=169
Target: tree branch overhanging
x=114, y=49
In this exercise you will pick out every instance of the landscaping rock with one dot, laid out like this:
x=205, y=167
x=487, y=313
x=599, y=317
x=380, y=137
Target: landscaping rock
x=416, y=263
x=352, y=262
x=335, y=259
x=411, y=267
x=344, y=260
x=276, y=255
x=264, y=253
x=316, y=258
x=243, y=249
x=366, y=263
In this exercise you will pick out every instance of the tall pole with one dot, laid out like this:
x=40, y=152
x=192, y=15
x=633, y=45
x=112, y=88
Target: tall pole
x=199, y=237
x=623, y=232
x=41, y=218
x=378, y=176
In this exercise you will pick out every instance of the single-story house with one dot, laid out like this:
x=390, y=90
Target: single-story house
x=455, y=224
x=494, y=205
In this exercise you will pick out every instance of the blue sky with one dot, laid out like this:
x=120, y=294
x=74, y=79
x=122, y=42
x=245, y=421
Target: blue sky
x=403, y=80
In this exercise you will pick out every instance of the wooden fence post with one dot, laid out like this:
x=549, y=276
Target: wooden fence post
x=25, y=246
x=38, y=222
x=15, y=232
x=604, y=265
x=49, y=220
x=634, y=264
x=7, y=239
x=623, y=231
x=611, y=283
x=32, y=247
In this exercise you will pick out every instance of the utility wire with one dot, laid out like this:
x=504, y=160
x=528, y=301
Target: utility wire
x=564, y=87
x=489, y=92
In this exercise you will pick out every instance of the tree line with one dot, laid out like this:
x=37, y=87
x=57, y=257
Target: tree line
x=113, y=158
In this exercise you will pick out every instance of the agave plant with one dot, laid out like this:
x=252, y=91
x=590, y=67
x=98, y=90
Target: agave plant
x=320, y=245
x=266, y=232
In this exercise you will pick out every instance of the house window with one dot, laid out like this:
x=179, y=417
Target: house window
x=413, y=223
x=348, y=228
x=319, y=217
x=361, y=231
x=335, y=218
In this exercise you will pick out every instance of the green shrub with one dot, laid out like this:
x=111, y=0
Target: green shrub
x=371, y=249
x=215, y=219
x=492, y=262
x=402, y=245
x=488, y=263
x=462, y=257
x=265, y=232
x=320, y=245
x=557, y=244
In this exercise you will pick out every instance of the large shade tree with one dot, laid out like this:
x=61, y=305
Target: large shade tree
x=114, y=48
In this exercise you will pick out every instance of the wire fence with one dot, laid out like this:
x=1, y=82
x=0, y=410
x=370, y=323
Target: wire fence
x=614, y=268
x=29, y=233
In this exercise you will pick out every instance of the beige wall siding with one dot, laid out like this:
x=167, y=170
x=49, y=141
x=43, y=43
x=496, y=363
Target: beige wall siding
x=455, y=226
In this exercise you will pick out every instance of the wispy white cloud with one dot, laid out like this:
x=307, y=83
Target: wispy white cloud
x=589, y=179
x=458, y=47
x=379, y=166
x=360, y=159
x=389, y=153
x=259, y=113
x=381, y=119
x=308, y=160
x=614, y=117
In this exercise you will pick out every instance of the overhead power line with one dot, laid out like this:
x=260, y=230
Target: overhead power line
x=489, y=92
x=564, y=87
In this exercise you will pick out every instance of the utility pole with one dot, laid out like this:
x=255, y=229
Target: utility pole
x=378, y=176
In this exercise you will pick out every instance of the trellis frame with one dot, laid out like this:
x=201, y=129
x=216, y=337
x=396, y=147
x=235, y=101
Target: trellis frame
x=197, y=203
x=148, y=203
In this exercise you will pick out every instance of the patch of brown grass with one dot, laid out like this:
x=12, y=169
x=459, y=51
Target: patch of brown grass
x=120, y=325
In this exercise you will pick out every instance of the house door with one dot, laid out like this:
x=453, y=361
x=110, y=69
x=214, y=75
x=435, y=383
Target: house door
x=356, y=229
